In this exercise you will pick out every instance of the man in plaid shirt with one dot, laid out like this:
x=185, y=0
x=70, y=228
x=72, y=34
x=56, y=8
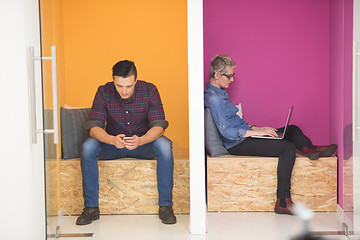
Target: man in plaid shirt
x=127, y=120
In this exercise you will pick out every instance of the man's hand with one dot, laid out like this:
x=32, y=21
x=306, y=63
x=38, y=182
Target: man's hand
x=118, y=141
x=133, y=143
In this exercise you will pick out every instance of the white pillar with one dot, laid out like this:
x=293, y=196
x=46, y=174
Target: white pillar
x=196, y=117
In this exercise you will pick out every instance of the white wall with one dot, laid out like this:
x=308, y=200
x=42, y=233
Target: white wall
x=21, y=178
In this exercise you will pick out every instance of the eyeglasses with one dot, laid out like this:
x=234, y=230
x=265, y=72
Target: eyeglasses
x=228, y=75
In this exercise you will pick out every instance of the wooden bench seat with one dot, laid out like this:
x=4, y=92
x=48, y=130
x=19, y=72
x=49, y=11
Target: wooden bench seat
x=236, y=183
x=126, y=186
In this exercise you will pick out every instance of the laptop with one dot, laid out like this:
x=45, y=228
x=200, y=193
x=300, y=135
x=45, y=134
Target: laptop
x=281, y=135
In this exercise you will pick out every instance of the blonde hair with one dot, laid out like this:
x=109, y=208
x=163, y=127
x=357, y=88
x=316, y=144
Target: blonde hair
x=220, y=63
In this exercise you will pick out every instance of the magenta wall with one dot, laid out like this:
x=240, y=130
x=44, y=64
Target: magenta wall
x=289, y=52
x=281, y=48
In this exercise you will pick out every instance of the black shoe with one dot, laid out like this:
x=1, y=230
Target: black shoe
x=166, y=215
x=314, y=152
x=88, y=215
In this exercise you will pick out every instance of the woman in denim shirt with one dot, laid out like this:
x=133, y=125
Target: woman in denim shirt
x=236, y=132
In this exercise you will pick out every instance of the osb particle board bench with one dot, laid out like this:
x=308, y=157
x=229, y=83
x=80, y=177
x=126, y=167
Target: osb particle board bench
x=126, y=186
x=234, y=183
x=237, y=183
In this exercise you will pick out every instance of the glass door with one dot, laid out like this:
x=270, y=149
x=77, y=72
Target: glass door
x=356, y=120
x=351, y=135
x=50, y=116
x=51, y=132
x=51, y=23
x=348, y=124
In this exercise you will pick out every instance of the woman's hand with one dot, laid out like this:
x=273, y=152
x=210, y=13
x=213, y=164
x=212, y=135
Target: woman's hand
x=266, y=131
x=262, y=131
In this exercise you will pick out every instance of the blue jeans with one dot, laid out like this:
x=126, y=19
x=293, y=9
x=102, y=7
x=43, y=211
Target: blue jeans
x=93, y=149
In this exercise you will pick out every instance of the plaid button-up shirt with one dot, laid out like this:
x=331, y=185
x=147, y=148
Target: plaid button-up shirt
x=133, y=116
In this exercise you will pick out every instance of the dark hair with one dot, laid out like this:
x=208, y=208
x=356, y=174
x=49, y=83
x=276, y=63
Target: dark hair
x=124, y=69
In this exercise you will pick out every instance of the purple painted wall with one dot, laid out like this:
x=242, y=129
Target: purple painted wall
x=289, y=52
x=281, y=48
x=341, y=85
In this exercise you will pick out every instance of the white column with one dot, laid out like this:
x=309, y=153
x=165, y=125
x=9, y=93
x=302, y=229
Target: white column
x=196, y=117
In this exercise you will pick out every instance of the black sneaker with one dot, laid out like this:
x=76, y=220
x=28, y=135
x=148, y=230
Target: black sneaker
x=166, y=215
x=88, y=215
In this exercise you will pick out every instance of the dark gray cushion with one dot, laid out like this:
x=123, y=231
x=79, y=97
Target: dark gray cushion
x=73, y=132
x=213, y=143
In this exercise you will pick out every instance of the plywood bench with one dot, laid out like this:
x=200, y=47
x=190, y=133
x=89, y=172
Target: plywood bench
x=236, y=183
x=126, y=186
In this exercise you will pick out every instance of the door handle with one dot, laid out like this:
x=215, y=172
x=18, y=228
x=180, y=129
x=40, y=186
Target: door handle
x=31, y=60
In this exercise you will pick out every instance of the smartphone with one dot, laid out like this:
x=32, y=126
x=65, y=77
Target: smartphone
x=127, y=138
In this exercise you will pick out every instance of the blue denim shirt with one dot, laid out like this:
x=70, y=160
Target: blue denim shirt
x=231, y=127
